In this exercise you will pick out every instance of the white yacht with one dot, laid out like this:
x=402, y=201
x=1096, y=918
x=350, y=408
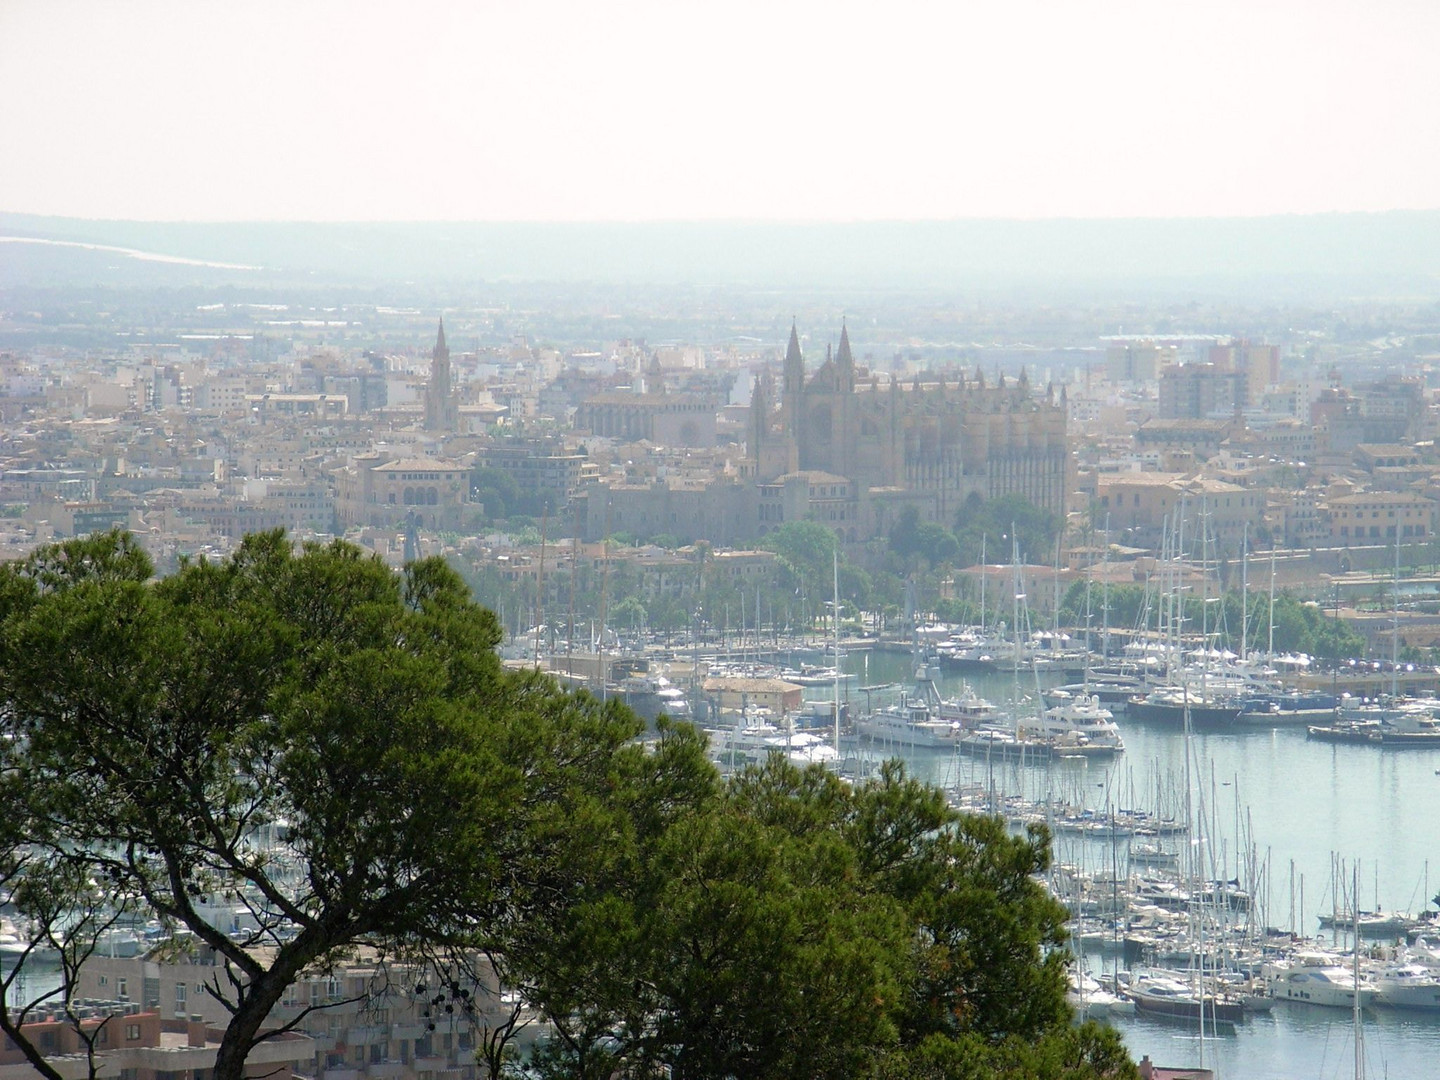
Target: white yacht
x=804, y=748
x=909, y=722
x=968, y=709
x=1408, y=985
x=1083, y=721
x=1317, y=978
x=752, y=742
x=1089, y=998
x=744, y=743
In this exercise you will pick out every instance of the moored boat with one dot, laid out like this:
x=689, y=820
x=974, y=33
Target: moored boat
x=1316, y=978
x=1162, y=992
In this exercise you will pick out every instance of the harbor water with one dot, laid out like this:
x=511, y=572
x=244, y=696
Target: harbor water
x=1288, y=799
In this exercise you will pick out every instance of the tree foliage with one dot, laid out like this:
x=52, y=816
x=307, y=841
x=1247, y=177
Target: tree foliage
x=803, y=927
x=154, y=729
x=780, y=924
x=911, y=538
x=1002, y=525
x=808, y=552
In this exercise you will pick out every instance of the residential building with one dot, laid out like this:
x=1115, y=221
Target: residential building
x=1380, y=517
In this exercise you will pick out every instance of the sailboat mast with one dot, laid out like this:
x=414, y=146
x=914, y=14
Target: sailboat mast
x=1355, y=970
x=540, y=588
x=1245, y=593
x=1105, y=595
x=1089, y=628
x=1270, y=646
x=1204, y=601
x=1178, y=599
x=1177, y=603
x=835, y=576
x=1015, y=610
x=1395, y=629
x=983, y=575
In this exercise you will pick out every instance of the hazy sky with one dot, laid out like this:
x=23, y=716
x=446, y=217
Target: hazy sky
x=590, y=110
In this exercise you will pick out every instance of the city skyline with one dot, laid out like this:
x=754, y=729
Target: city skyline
x=648, y=112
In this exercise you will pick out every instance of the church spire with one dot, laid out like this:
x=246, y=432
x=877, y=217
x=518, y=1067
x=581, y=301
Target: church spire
x=441, y=408
x=794, y=367
x=844, y=360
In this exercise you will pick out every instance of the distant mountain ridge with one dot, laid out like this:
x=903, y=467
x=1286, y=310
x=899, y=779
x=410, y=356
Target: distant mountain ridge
x=1390, y=254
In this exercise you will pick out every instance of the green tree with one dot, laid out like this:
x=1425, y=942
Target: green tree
x=497, y=491
x=911, y=538
x=628, y=612
x=793, y=925
x=152, y=729
x=807, y=550
x=995, y=523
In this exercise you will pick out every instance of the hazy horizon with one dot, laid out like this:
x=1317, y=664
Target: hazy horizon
x=1390, y=254
x=779, y=111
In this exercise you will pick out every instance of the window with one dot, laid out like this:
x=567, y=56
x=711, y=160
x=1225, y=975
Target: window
x=122, y=990
x=180, y=998
x=132, y=1032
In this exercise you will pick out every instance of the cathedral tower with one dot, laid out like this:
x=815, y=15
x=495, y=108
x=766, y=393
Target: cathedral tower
x=442, y=412
x=793, y=384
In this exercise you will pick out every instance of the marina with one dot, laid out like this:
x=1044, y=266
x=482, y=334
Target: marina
x=1282, y=812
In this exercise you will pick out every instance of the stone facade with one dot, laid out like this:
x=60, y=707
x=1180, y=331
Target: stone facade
x=940, y=441
x=663, y=419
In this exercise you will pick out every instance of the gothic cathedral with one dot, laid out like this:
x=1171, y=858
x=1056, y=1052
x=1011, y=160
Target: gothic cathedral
x=936, y=439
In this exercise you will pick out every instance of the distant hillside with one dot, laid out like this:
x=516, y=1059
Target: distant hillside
x=1373, y=255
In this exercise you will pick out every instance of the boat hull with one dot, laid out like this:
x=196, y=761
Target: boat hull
x=1226, y=1012
x=1408, y=995
x=1200, y=715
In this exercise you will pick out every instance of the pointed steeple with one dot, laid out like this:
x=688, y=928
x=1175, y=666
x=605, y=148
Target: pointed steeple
x=792, y=350
x=793, y=371
x=759, y=415
x=844, y=360
x=441, y=408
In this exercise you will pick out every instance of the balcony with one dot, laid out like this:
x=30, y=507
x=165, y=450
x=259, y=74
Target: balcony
x=364, y=1035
